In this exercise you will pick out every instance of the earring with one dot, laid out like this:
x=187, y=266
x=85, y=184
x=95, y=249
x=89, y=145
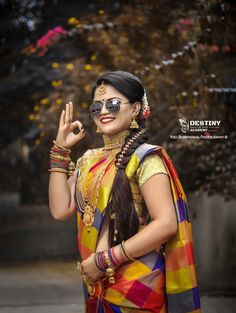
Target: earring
x=98, y=130
x=134, y=123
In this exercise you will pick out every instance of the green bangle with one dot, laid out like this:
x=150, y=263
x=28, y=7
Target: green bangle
x=125, y=252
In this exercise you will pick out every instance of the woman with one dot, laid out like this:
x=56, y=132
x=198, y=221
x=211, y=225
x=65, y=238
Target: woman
x=134, y=234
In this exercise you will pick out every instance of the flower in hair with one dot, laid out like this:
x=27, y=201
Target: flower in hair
x=145, y=107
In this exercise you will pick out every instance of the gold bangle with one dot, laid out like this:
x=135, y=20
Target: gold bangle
x=108, y=261
x=125, y=251
x=61, y=147
x=58, y=170
x=59, y=157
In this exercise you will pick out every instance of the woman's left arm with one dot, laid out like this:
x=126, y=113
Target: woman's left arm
x=157, y=194
x=158, y=197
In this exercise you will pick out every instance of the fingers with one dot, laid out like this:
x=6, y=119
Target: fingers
x=67, y=114
x=80, y=135
x=77, y=124
x=62, y=119
x=71, y=111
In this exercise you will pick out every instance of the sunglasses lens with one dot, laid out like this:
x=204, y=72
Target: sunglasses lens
x=95, y=108
x=113, y=105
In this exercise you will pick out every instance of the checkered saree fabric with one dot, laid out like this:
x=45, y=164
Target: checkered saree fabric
x=154, y=282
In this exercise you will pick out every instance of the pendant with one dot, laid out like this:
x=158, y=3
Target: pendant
x=88, y=217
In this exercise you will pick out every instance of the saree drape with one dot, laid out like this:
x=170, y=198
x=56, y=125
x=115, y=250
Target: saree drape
x=153, y=282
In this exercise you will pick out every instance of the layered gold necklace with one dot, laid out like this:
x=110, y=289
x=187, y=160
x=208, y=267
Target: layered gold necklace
x=90, y=183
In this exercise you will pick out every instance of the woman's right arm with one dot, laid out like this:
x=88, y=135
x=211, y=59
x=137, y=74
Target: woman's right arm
x=61, y=195
x=61, y=190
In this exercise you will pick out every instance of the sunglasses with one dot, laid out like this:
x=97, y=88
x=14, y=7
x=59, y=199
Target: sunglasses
x=112, y=106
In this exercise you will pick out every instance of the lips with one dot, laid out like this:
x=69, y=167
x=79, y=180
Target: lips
x=106, y=120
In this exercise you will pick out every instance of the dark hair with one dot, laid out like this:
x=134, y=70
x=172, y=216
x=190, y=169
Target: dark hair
x=121, y=205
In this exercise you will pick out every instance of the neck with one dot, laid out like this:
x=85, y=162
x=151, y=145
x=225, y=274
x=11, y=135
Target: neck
x=115, y=141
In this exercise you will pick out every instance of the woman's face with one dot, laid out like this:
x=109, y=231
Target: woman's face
x=113, y=123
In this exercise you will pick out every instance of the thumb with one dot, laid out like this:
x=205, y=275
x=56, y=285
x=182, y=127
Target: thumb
x=80, y=135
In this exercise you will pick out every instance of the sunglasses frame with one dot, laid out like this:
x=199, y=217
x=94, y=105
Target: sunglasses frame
x=102, y=103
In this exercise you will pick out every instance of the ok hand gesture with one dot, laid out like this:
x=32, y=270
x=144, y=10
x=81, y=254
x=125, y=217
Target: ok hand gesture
x=65, y=136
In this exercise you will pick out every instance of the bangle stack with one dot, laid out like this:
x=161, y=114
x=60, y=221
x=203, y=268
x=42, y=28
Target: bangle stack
x=107, y=261
x=60, y=160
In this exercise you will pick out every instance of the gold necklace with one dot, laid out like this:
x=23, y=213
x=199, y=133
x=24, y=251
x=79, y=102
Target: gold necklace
x=85, y=205
x=112, y=146
x=115, y=141
x=87, y=208
x=84, y=200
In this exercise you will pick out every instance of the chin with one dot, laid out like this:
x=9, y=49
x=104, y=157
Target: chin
x=111, y=130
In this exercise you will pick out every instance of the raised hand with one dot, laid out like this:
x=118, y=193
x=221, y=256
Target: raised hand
x=65, y=135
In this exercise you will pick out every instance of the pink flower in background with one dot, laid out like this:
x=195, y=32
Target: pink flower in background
x=50, y=38
x=186, y=22
x=183, y=23
x=226, y=48
x=215, y=48
x=202, y=47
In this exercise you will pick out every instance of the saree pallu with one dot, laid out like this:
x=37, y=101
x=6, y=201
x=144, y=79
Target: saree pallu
x=153, y=282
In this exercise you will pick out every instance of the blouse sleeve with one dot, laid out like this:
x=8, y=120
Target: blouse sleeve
x=79, y=163
x=151, y=165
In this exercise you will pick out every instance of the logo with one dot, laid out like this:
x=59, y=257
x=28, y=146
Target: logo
x=199, y=129
x=199, y=125
x=184, y=125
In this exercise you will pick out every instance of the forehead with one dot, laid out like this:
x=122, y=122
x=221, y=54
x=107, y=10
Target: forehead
x=110, y=92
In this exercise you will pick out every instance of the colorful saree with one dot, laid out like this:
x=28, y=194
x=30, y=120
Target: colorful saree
x=154, y=282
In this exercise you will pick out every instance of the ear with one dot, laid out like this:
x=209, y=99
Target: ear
x=136, y=108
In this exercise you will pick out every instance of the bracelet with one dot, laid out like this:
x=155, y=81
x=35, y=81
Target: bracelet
x=97, y=263
x=125, y=251
x=101, y=262
x=59, y=159
x=115, y=261
x=110, y=271
x=58, y=170
x=108, y=260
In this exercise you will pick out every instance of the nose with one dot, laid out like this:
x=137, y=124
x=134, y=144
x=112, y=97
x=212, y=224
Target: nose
x=104, y=109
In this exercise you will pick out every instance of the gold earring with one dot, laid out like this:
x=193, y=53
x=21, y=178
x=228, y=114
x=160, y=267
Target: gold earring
x=98, y=130
x=134, y=123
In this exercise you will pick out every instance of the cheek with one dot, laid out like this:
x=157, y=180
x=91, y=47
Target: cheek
x=126, y=116
x=95, y=121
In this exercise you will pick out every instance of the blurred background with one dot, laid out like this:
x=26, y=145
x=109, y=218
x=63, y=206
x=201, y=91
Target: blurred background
x=51, y=52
